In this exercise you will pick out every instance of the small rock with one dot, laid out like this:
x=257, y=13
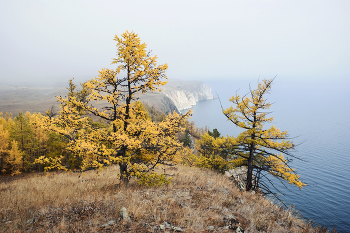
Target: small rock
x=253, y=192
x=177, y=229
x=226, y=227
x=167, y=225
x=229, y=216
x=239, y=230
x=228, y=174
x=124, y=214
x=162, y=227
x=110, y=223
x=241, y=186
x=30, y=221
x=211, y=228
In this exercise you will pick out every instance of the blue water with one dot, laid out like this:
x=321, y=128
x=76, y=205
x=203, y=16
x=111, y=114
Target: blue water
x=317, y=114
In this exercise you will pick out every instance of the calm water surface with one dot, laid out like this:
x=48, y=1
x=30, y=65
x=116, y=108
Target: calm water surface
x=318, y=116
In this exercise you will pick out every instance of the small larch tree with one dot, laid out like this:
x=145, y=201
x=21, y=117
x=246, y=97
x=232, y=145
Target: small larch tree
x=217, y=153
x=263, y=149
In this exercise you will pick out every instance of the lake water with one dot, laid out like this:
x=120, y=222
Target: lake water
x=318, y=116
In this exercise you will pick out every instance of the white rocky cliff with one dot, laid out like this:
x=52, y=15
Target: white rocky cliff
x=185, y=94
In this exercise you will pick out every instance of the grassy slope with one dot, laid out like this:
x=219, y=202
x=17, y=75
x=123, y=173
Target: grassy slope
x=196, y=199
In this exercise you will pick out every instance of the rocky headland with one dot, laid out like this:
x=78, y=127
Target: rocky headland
x=185, y=94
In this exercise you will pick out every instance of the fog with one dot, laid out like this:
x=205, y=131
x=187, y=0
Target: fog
x=48, y=42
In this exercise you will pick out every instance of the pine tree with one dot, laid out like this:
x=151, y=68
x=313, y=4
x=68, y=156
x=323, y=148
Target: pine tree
x=187, y=141
x=214, y=134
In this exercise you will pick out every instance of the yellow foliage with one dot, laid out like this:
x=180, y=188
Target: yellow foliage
x=280, y=168
x=4, y=140
x=222, y=146
x=217, y=153
x=14, y=159
x=214, y=162
x=50, y=163
x=186, y=156
x=132, y=140
x=152, y=179
x=10, y=155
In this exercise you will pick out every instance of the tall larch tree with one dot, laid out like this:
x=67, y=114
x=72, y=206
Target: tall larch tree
x=10, y=155
x=263, y=148
x=133, y=141
x=21, y=132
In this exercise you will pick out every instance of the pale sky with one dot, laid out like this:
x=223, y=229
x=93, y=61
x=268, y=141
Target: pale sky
x=51, y=41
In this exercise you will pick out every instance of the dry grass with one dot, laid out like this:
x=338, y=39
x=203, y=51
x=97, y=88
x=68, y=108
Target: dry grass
x=196, y=199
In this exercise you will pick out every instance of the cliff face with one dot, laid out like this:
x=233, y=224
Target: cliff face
x=178, y=95
x=185, y=94
x=160, y=101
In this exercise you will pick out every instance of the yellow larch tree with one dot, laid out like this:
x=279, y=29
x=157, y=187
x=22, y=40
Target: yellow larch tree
x=10, y=155
x=263, y=149
x=132, y=141
x=4, y=145
x=14, y=159
x=217, y=153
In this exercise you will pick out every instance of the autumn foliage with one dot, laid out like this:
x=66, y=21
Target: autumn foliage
x=23, y=140
x=131, y=139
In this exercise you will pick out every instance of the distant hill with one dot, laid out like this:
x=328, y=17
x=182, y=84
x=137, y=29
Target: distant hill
x=175, y=95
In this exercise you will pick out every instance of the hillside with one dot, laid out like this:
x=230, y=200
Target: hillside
x=175, y=95
x=32, y=99
x=198, y=200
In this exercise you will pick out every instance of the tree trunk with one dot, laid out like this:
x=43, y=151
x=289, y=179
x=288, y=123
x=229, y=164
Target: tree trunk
x=124, y=166
x=123, y=172
x=1, y=165
x=249, y=183
x=23, y=169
